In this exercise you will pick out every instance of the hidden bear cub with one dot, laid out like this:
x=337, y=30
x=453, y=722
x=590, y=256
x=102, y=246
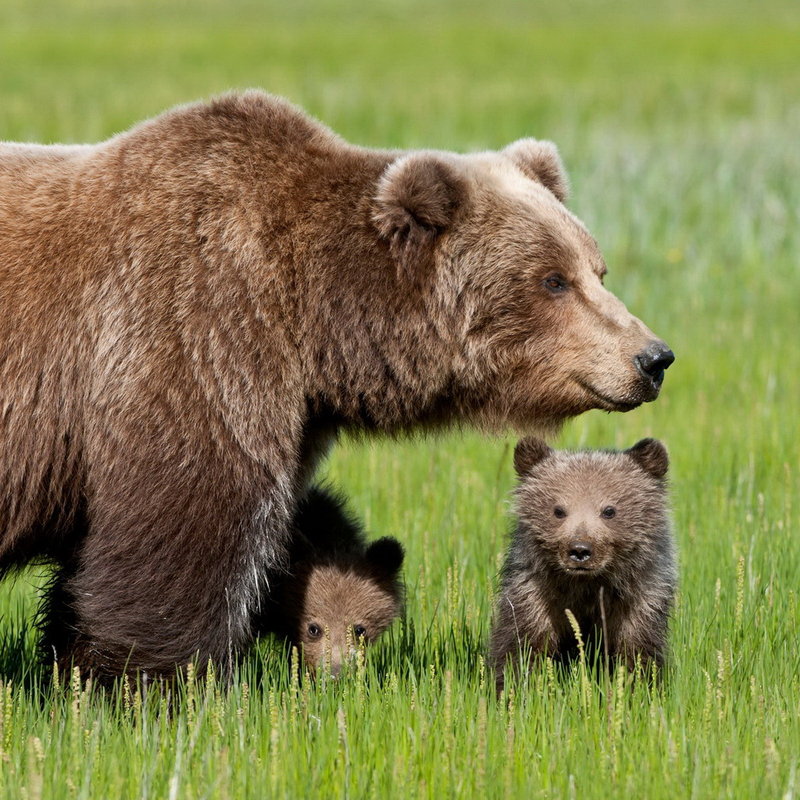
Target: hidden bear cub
x=593, y=537
x=339, y=590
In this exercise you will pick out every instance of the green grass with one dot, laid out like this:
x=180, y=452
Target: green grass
x=679, y=127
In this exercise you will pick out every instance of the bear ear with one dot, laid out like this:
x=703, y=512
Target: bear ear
x=651, y=456
x=418, y=196
x=528, y=453
x=384, y=558
x=539, y=160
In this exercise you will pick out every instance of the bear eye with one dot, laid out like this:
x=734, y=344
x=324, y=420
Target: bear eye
x=359, y=631
x=555, y=284
x=608, y=512
x=559, y=512
x=314, y=630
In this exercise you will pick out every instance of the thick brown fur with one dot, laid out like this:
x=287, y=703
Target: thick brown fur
x=191, y=311
x=338, y=590
x=593, y=536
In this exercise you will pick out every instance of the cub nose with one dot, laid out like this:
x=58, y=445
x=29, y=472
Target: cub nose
x=654, y=359
x=580, y=552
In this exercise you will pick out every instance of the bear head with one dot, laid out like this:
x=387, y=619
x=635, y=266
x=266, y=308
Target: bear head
x=518, y=290
x=346, y=602
x=592, y=513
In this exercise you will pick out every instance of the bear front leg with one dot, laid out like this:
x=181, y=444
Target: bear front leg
x=522, y=629
x=173, y=567
x=641, y=637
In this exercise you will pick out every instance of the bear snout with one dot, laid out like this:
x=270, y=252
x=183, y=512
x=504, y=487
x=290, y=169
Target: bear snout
x=652, y=362
x=584, y=553
x=341, y=658
x=580, y=552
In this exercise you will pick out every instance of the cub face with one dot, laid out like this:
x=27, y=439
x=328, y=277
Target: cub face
x=586, y=514
x=347, y=604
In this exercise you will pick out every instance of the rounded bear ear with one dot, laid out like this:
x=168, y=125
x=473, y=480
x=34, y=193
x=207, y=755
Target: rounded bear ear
x=539, y=160
x=417, y=198
x=385, y=557
x=528, y=453
x=651, y=456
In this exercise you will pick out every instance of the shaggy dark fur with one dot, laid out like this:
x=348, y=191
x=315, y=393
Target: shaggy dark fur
x=593, y=537
x=338, y=589
x=191, y=311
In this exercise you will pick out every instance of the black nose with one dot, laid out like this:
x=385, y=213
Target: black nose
x=580, y=552
x=654, y=359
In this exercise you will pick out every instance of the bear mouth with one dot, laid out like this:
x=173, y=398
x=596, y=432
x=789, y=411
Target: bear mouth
x=609, y=403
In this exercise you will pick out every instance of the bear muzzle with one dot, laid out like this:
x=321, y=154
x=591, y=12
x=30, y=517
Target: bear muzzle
x=584, y=556
x=651, y=363
x=580, y=553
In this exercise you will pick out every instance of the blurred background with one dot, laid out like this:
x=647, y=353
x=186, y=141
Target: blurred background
x=408, y=73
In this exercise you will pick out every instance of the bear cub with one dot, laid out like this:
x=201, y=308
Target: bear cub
x=593, y=536
x=339, y=590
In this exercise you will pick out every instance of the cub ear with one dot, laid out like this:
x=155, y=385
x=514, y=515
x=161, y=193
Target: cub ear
x=385, y=557
x=528, y=453
x=651, y=456
x=539, y=160
x=417, y=198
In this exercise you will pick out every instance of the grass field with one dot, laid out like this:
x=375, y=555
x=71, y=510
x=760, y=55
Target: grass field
x=680, y=128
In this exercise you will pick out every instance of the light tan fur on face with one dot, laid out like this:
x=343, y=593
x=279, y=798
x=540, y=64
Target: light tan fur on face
x=578, y=346
x=581, y=486
x=338, y=603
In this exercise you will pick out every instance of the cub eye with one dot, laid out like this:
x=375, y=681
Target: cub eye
x=559, y=512
x=359, y=631
x=314, y=630
x=608, y=512
x=555, y=284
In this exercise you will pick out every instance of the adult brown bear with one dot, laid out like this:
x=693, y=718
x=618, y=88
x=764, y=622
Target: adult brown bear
x=190, y=311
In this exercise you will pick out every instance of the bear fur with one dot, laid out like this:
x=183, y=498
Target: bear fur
x=593, y=536
x=190, y=313
x=339, y=590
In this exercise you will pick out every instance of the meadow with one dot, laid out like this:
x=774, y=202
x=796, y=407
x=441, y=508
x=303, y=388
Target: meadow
x=679, y=124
